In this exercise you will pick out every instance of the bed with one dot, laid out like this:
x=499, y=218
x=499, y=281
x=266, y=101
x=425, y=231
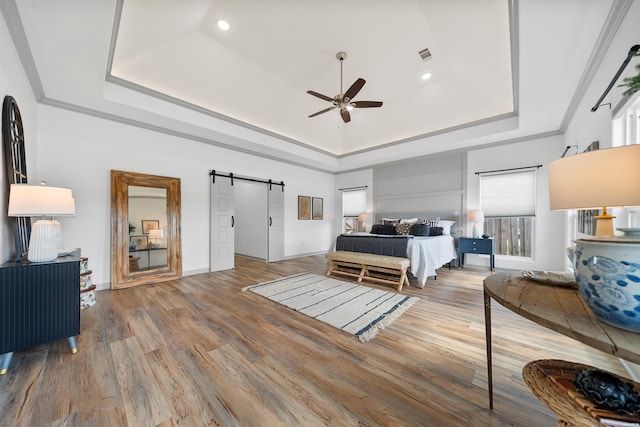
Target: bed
x=427, y=253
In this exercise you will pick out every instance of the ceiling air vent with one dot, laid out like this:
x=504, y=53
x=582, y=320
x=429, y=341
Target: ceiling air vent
x=424, y=54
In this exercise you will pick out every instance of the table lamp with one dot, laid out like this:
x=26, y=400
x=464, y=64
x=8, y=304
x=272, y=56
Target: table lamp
x=362, y=218
x=477, y=217
x=597, y=179
x=606, y=267
x=47, y=202
x=155, y=236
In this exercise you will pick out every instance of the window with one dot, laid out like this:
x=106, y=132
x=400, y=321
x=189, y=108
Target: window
x=354, y=202
x=626, y=131
x=509, y=204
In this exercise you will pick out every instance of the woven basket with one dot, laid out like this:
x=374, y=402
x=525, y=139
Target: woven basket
x=569, y=412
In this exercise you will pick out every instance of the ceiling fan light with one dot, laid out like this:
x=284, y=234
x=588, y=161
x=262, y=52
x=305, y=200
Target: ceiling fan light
x=223, y=25
x=426, y=76
x=349, y=107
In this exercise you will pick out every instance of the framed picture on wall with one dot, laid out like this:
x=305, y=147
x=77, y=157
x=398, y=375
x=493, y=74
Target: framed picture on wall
x=317, y=208
x=304, y=207
x=150, y=224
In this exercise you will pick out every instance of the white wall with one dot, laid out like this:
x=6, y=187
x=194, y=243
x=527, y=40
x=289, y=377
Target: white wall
x=548, y=251
x=78, y=151
x=13, y=82
x=250, y=212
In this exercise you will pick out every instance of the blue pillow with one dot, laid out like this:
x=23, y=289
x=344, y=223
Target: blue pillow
x=435, y=231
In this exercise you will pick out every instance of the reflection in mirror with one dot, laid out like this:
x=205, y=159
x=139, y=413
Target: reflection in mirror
x=145, y=229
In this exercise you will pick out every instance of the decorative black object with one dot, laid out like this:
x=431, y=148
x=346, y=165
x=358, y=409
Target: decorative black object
x=608, y=391
x=485, y=236
x=16, y=164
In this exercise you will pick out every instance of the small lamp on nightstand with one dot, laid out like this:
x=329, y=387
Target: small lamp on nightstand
x=362, y=218
x=477, y=217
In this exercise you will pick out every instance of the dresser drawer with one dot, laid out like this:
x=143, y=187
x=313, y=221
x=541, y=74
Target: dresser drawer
x=482, y=246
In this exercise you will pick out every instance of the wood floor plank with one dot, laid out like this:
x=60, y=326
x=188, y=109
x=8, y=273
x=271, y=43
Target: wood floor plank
x=200, y=351
x=144, y=403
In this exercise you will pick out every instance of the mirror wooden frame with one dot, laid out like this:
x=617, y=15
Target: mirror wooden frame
x=121, y=277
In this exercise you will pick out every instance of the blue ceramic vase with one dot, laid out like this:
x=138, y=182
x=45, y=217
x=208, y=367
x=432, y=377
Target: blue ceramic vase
x=608, y=276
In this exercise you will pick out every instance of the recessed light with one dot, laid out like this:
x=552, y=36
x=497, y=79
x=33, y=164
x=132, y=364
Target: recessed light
x=223, y=25
x=426, y=76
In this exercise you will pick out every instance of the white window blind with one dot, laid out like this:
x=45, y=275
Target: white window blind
x=508, y=194
x=354, y=202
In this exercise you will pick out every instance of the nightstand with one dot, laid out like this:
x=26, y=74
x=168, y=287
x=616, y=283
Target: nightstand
x=470, y=245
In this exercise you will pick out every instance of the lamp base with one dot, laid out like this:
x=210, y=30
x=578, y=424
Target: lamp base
x=604, y=225
x=606, y=272
x=476, y=231
x=42, y=244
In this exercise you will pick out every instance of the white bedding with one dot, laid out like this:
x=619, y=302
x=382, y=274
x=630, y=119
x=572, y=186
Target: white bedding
x=428, y=254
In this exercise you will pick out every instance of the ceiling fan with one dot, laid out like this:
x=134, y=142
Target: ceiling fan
x=344, y=100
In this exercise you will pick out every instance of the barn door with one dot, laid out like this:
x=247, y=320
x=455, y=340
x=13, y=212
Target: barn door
x=275, y=234
x=221, y=224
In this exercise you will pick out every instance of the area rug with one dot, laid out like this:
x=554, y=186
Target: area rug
x=359, y=310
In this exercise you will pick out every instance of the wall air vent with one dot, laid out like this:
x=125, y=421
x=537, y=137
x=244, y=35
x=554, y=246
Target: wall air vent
x=424, y=54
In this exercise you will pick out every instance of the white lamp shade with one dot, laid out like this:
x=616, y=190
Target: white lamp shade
x=475, y=216
x=40, y=200
x=596, y=179
x=156, y=234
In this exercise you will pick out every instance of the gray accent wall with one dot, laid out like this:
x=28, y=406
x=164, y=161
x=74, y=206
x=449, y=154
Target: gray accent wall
x=427, y=185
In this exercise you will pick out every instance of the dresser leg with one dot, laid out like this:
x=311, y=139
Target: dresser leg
x=72, y=344
x=6, y=360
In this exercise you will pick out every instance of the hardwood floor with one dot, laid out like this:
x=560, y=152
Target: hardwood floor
x=198, y=351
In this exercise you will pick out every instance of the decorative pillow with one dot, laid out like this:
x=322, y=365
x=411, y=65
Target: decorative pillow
x=390, y=221
x=409, y=221
x=419, y=230
x=446, y=225
x=383, y=229
x=403, y=228
x=431, y=222
x=435, y=231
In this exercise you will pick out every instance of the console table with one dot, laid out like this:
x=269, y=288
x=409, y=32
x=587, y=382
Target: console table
x=135, y=253
x=39, y=303
x=472, y=245
x=558, y=308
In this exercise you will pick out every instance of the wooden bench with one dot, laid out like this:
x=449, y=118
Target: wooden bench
x=376, y=268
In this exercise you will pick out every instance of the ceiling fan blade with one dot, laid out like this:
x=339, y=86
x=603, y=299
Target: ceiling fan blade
x=322, y=111
x=366, y=104
x=319, y=95
x=346, y=117
x=354, y=89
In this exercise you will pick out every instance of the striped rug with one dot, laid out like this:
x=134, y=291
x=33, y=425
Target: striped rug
x=356, y=309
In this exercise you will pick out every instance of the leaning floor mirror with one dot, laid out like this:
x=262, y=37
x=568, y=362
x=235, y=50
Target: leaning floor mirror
x=145, y=229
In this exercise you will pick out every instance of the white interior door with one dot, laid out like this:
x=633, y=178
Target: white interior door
x=276, y=223
x=222, y=223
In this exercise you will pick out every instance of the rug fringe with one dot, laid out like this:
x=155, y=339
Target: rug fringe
x=386, y=320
